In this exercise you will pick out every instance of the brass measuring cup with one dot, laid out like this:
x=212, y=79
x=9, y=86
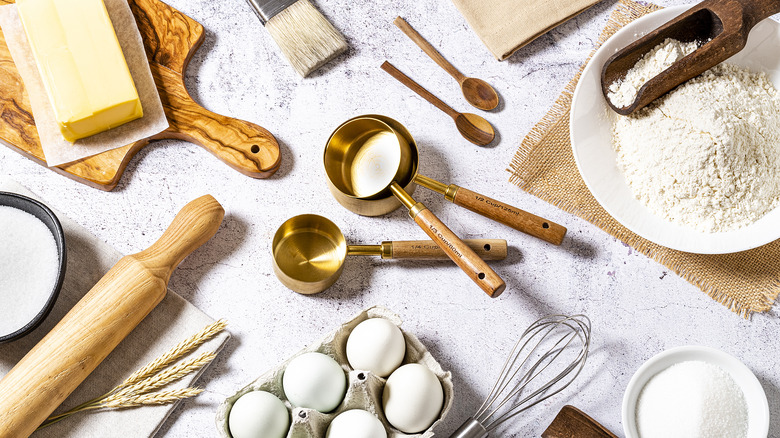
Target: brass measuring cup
x=309, y=252
x=367, y=160
x=498, y=211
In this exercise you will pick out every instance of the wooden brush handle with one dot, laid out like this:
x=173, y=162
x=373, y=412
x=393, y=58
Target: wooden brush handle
x=486, y=249
x=417, y=88
x=459, y=252
x=514, y=217
x=44, y=377
x=428, y=49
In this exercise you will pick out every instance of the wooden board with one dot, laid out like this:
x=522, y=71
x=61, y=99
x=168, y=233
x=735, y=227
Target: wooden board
x=171, y=39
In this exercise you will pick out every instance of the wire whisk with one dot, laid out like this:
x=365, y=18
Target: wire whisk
x=552, y=350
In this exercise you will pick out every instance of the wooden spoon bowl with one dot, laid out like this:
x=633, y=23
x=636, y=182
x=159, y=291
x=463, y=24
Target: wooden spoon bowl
x=471, y=126
x=475, y=129
x=479, y=94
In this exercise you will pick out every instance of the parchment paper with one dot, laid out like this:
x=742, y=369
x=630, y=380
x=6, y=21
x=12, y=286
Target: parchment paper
x=55, y=148
x=172, y=321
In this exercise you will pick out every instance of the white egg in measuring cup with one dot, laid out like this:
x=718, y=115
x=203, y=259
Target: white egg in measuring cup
x=314, y=381
x=412, y=398
x=356, y=423
x=376, y=345
x=258, y=414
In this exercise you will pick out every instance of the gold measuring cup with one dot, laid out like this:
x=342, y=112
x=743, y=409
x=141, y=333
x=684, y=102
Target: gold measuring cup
x=309, y=252
x=366, y=159
x=498, y=211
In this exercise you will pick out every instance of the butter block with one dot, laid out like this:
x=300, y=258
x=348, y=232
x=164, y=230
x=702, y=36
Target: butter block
x=81, y=65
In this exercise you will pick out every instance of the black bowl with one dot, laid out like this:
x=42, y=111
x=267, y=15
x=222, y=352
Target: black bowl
x=46, y=216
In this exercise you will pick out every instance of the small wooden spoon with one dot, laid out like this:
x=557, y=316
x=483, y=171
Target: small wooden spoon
x=721, y=26
x=476, y=91
x=471, y=126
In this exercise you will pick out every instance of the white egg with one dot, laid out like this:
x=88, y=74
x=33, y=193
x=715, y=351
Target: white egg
x=258, y=414
x=376, y=345
x=412, y=398
x=356, y=423
x=314, y=381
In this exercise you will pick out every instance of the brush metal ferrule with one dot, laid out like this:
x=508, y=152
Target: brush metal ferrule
x=267, y=9
x=470, y=429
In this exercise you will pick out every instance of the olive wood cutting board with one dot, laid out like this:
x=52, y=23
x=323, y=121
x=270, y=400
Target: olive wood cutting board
x=170, y=39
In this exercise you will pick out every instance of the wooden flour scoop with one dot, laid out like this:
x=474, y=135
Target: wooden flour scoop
x=34, y=388
x=721, y=27
x=170, y=39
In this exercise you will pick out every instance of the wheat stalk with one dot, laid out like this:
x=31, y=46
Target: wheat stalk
x=164, y=377
x=175, y=353
x=137, y=389
x=155, y=398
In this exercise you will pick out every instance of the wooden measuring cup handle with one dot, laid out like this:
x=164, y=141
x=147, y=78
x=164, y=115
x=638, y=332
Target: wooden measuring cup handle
x=417, y=88
x=428, y=49
x=49, y=372
x=462, y=255
x=514, y=217
x=486, y=249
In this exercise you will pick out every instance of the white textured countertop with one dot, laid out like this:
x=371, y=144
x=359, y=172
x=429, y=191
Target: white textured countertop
x=637, y=308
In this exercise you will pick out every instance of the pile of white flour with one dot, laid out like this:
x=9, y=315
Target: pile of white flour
x=623, y=92
x=706, y=155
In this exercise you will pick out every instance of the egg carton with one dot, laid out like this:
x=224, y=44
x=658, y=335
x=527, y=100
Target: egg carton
x=364, y=389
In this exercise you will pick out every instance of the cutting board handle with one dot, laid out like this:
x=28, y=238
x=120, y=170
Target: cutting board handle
x=244, y=146
x=128, y=292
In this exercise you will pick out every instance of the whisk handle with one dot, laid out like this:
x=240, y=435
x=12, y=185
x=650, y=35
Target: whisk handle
x=470, y=429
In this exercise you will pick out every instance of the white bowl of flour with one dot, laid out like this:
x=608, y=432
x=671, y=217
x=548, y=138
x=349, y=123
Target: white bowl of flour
x=665, y=223
x=693, y=392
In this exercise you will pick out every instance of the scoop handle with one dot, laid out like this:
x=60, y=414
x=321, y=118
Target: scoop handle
x=486, y=249
x=758, y=10
x=506, y=214
x=429, y=50
x=128, y=292
x=463, y=256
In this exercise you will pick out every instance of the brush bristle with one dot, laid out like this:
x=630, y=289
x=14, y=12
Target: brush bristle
x=305, y=37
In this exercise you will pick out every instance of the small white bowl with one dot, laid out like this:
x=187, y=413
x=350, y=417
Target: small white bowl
x=758, y=406
x=591, y=125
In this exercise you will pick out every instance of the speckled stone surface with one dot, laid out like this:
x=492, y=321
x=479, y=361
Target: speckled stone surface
x=638, y=309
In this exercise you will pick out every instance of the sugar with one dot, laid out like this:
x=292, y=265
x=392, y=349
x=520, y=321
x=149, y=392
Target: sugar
x=28, y=267
x=692, y=399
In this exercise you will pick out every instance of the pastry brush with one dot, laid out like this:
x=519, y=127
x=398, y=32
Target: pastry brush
x=305, y=37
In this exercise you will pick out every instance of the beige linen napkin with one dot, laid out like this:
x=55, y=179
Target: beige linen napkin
x=504, y=26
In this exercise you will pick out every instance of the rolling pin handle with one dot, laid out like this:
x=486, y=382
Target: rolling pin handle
x=196, y=223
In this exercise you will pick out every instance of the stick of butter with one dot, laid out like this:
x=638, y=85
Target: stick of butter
x=81, y=65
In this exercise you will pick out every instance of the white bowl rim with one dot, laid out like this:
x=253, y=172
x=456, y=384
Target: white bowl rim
x=705, y=354
x=736, y=246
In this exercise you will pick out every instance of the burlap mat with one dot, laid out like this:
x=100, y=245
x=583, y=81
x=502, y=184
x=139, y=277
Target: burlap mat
x=544, y=166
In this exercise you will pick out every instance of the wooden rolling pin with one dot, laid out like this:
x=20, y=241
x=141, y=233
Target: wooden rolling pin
x=34, y=388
